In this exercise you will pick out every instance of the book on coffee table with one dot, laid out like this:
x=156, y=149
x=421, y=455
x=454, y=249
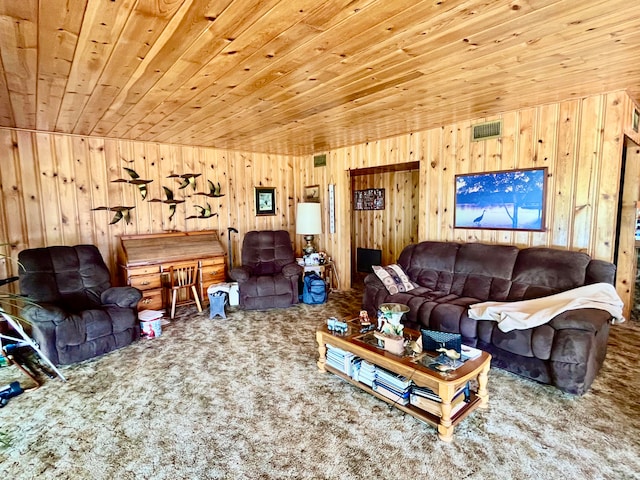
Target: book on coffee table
x=469, y=353
x=435, y=407
x=398, y=396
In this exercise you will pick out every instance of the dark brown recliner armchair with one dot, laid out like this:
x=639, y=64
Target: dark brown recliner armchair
x=77, y=315
x=269, y=275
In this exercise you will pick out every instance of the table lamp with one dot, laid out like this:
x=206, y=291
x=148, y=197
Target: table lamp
x=308, y=223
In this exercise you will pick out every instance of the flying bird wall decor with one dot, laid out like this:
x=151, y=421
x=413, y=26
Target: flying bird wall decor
x=135, y=180
x=214, y=190
x=203, y=212
x=187, y=179
x=169, y=200
x=121, y=212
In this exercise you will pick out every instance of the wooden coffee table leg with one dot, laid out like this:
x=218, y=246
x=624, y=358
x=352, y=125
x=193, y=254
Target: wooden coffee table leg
x=483, y=392
x=445, y=429
x=322, y=352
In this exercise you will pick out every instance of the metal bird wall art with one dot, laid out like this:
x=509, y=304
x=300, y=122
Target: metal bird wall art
x=187, y=179
x=121, y=212
x=214, y=190
x=135, y=180
x=169, y=200
x=203, y=212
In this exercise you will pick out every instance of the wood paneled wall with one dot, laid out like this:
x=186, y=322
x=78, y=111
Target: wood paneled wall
x=51, y=182
x=579, y=141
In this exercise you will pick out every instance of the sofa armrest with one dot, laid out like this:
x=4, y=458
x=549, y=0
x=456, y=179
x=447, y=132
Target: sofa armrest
x=590, y=319
x=44, y=313
x=372, y=280
x=240, y=274
x=291, y=270
x=374, y=293
x=125, y=297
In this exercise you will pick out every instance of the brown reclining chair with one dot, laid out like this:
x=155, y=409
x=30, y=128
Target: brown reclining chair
x=78, y=314
x=269, y=275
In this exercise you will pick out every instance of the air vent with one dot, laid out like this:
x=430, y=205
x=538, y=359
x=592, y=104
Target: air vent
x=484, y=131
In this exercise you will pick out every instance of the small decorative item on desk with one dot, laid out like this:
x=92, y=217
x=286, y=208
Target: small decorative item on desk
x=365, y=322
x=389, y=316
x=416, y=346
x=322, y=258
x=312, y=259
x=450, y=353
x=391, y=343
x=390, y=335
x=448, y=345
x=335, y=325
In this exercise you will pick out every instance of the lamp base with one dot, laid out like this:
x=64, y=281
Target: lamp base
x=308, y=249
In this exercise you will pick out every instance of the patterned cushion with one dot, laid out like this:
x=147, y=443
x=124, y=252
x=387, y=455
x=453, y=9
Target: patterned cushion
x=393, y=278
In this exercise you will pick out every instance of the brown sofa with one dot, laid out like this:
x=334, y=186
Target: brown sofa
x=566, y=352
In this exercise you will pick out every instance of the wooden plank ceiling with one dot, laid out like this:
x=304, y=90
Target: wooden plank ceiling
x=301, y=76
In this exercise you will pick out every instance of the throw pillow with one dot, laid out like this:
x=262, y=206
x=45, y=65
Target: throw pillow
x=393, y=278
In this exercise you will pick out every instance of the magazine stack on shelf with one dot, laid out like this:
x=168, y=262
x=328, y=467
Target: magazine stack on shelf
x=426, y=399
x=391, y=385
x=341, y=360
x=365, y=373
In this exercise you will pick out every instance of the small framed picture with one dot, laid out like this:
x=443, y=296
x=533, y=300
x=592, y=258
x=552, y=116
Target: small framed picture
x=312, y=194
x=369, y=199
x=265, y=200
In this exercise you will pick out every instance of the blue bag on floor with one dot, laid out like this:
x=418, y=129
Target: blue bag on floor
x=314, y=289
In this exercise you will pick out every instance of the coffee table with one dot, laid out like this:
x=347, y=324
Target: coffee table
x=412, y=367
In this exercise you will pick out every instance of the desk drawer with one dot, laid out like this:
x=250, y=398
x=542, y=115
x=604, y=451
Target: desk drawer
x=213, y=274
x=151, y=300
x=135, y=271
x=146, y=282
x=208, y=262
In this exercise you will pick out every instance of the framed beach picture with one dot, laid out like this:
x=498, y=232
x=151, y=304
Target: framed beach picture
x=502, y=200
x=265, y=200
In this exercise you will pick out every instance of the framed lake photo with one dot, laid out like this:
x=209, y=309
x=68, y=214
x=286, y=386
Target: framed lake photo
x=503, y=200
x=265, y=201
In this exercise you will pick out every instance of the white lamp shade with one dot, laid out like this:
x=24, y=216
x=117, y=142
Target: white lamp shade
x=308, y=219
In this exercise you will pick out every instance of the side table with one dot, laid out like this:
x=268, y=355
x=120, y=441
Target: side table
x=325, y=271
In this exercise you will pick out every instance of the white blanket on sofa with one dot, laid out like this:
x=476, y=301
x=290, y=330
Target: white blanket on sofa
x=535, y=312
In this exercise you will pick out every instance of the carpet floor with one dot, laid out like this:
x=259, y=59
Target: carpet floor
x=242, y=398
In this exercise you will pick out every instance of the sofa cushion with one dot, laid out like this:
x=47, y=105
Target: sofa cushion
x=450, y=315
x=266, y=252
x=539, y=272
x=430, y=264
x=74, y=277
x=515, y=341
x=393, y=278
x=484, y=271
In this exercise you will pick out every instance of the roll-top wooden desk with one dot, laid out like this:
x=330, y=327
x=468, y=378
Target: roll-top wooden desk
x=142, y=259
